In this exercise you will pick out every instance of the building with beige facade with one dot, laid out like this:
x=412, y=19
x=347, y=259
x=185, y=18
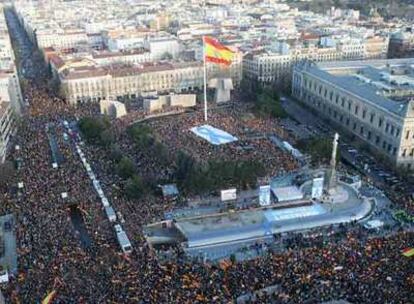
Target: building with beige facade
x=101, y=74
x=275, y=66
x=372, y=100
x=83, y=80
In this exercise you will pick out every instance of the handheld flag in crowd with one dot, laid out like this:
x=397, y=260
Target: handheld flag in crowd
x=49, y=298
x=408, y=252
x=215, y=52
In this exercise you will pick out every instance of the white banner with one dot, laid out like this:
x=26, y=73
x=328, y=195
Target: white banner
x=264, y=195
x=4, y=277
x=317, y=187
x=228, y=195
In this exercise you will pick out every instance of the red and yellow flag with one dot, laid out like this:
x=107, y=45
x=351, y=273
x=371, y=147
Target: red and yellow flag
x=408, y=252
x=49, y=297
x=216, y=52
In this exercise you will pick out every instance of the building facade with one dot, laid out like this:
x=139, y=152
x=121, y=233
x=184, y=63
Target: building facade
x=91, y=83
x=7, y=127
x=402, y=44
x=10, y=90
x=372, y=100
x=276, y=67
x=11, y=100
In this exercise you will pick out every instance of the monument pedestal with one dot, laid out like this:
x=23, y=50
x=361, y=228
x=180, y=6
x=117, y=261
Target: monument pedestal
x=223, y=88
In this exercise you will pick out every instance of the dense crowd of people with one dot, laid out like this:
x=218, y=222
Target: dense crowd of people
x=51, y=255
x=252, y=134
x=405, y=201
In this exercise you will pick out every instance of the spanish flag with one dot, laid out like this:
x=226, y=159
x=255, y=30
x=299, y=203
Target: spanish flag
x=216, y=52
x=408, y=252
x=49, y=297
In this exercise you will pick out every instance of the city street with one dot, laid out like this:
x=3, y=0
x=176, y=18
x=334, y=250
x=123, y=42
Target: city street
x=30, y=61
x=91, y=216
x=359, y=160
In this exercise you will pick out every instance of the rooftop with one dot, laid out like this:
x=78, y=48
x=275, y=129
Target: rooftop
x=120, y=70
x=107, y=54
x=387, y=84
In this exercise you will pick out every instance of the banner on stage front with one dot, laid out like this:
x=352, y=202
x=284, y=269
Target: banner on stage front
x=264, y=195
x=228, y=195
x=317, y=187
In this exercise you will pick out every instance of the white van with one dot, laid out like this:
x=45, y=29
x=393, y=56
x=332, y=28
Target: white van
x=105, y=202
x=110, y=213
x=123, y=240
x=118, y=228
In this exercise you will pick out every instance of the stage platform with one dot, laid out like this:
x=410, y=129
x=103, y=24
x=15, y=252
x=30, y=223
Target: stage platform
x=213, y=135
x=243, y=225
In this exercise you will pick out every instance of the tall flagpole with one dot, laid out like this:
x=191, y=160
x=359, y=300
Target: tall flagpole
x=205, y=81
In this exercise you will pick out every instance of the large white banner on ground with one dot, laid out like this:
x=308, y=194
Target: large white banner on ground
x=264, y=195
x=228, y=195
x=317, y=187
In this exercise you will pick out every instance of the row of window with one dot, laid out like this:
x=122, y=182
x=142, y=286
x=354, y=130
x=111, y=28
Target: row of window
x=131, y=90
x=83, y=86
x=404, y=152
x=356, y=128
x=343, y=102
x=119, y=96
x=131, y=86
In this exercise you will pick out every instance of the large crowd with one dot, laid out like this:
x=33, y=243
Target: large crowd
x=51, y=255
x=253, y=137
x=405, y=201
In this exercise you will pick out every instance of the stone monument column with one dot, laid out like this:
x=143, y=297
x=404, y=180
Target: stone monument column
x=223, y=88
